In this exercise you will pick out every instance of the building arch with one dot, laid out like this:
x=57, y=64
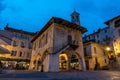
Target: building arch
x=69, y=61
x=37, y=61
x=75, y=61
x=44, y=55
x=63, y=62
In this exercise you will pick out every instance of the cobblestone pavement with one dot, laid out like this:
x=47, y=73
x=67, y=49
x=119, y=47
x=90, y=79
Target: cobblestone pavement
x=88, y=75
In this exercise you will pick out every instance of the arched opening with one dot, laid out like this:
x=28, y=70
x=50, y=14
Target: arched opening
x=75, y=62
x=37, y=62
x=69, y=62
x=63, y=62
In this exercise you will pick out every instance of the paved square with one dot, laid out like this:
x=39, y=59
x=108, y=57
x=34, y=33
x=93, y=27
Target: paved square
x=89, y=75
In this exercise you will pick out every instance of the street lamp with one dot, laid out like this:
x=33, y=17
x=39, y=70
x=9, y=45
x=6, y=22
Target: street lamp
x=108, y=48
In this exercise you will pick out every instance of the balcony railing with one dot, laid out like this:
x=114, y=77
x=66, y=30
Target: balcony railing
x=107, y=39
x=87, y=55
x=73, y=44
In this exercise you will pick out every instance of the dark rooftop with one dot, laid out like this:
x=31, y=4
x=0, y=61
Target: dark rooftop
x=18, y=31
x=107, y=22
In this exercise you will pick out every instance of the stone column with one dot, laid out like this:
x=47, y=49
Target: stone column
x=53, y=63
x=69, y=61
x=36, y=64
x=82, y=61
x=31, y=65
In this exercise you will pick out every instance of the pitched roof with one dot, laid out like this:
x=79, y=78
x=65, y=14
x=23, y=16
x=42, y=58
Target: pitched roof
x=18, y=31
x=62, y=22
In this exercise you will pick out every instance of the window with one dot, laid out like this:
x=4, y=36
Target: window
x=69, y=39
x=119, y=32
x=22, y=36
x=30, y=45
x=105, y=61
x=13, y=53
x=117, y=23
x=105, y=31
x=28, y=55
x=106, y=37
x=22, y=44
x=94, y=49
x=20, y=54
x=27, y=38
x=97, y=35
x=14, y=43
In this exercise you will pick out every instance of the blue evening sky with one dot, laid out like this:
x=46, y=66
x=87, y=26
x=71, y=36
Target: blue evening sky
x=32, y=15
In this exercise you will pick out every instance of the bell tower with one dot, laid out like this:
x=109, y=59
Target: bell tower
x=75, y=18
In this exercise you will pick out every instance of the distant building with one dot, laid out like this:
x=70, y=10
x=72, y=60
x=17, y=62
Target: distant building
x=17, y=42
x=109, y=36
x=95, y=54
x=58, y=46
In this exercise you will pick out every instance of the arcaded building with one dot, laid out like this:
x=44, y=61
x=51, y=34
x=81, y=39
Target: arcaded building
x=58, y=46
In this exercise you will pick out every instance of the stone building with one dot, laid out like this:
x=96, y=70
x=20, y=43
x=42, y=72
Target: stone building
x=95, y=54
x=58, y=46
x=109, y=36
x=17, y=42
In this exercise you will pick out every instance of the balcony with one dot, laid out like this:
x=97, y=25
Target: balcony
x=107, y=40
x=87, y=55
x=73, y=44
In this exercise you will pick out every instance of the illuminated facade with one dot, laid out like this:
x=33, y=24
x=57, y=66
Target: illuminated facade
x=58, y=46
x=109, y=36
x=95, y=54
x=17, y=42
